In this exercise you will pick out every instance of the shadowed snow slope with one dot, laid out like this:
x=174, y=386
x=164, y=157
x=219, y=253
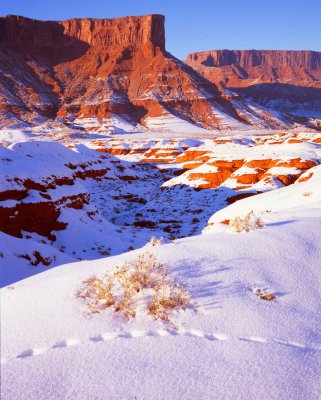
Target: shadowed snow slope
x=229, y=345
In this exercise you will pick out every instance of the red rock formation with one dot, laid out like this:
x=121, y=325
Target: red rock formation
x=306, y=178
x=59, y=41
x=190, y=155
x=31, y=217
x=13, y=194
x=284, y=81
x=39, y=211
x=91, y=68
x=233, y=199
x=94, y=67
x=237, y=68
x=250, y=178
x=36, y=258
x=297, y=163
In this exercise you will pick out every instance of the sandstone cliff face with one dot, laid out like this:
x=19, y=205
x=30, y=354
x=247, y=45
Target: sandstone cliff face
x=91, y=68
x=288, y=82
x=254, y=58
x=49, y=38
x=242, y=68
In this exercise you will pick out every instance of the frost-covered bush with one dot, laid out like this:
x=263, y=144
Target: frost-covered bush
x=142, y=286
x=249, y=223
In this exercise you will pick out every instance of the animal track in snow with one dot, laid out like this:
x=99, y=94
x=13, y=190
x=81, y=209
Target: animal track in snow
x=162, y=332
x=254, y=339
x=25, y=354
x=66, y=343
x=292, y=344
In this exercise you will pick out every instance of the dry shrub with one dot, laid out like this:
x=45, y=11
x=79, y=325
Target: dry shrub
x=169, y=295
x=143, y=282
x=264, y=294
x=249, y=223
x=154, y=241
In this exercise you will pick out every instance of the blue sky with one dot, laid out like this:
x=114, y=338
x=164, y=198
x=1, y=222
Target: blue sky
x=195, y=25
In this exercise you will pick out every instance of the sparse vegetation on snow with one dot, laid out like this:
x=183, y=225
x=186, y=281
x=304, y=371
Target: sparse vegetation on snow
x=143, y=285
x=264, y=294
x=249, y=222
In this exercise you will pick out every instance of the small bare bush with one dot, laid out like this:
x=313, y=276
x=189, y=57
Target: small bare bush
x=264, y=294
x=154, y=241
x=249, y=223
x=143, y=284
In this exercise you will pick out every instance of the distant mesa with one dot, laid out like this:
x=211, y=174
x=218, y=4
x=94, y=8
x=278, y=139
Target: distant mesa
x=236, y=68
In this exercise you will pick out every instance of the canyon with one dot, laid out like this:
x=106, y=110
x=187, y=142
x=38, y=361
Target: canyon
x=87, y=198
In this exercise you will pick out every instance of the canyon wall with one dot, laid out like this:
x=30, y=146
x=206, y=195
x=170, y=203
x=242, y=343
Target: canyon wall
x=254, y=58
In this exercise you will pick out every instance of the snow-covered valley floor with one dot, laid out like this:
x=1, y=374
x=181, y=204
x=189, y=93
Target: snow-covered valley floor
x=229, y=343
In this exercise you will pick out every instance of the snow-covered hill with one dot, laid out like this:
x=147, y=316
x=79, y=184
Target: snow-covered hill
x=229, y=345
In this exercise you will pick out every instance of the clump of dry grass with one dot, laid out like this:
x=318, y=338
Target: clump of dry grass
x=249, y=223
x=264, y=294
x=143, y=282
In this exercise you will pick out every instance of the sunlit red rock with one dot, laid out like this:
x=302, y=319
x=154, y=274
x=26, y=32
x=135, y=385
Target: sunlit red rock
x=95, y=67
x=275, y=82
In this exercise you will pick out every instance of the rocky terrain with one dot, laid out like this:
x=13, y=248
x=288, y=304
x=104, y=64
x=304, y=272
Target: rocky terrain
x=104, y=133
x=62, y=72
x=253, y=276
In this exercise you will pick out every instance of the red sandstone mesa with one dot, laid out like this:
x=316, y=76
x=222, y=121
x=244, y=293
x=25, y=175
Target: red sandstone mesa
x=243, y=68
x=94, y=67
x=288, y=82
